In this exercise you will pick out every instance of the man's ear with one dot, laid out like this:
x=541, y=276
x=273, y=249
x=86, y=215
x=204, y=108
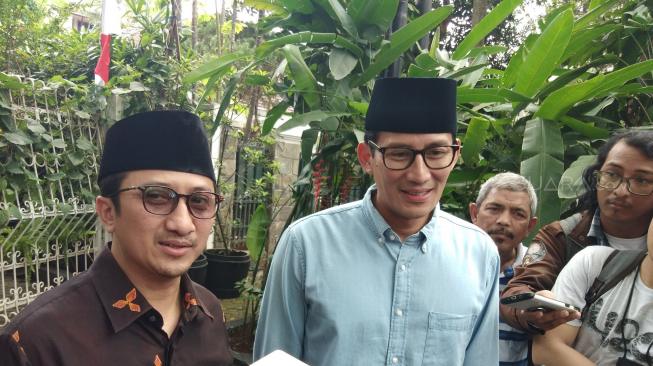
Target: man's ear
x=531, y=223
x=365, y=157
x=458, y=152
x=473, y=212
x=106, y=211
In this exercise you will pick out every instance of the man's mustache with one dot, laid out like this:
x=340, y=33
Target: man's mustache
x=504, y=232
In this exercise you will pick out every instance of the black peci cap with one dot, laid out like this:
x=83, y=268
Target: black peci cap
x=413, y=105
x=162, y=140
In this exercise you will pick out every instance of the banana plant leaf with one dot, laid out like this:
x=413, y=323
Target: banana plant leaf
x=304, y=79
x=545, y=55
x=560, y=101
x=475, y=139
x=571, y=183
x=402, y=40
x=267, y=47
x=304, y=119
x=257, y=232
x=485, y=26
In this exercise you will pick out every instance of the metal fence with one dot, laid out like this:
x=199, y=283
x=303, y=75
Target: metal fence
x=47, y=221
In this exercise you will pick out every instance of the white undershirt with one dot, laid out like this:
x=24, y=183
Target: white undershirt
x=627, y=244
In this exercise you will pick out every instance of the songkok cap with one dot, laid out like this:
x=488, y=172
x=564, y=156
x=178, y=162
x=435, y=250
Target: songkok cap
x=413, y=105
x=161, y=140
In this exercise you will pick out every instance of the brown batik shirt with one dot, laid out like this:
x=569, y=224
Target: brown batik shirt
x=100, y=318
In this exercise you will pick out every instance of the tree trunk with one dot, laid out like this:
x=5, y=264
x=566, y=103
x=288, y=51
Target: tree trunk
x=445, y=24
x=218, y=26
x=234, y=13
x=194, y=25
x=479, y=9
x=173, y=41
x=399, y=21
x=424, y=7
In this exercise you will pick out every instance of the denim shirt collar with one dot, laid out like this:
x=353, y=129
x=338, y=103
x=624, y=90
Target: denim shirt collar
x=383, y=231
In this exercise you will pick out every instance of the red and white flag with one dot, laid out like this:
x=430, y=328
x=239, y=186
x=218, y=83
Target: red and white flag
x=110, y=25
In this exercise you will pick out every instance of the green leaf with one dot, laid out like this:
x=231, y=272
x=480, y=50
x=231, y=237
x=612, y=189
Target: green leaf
x=215, y=65
x=59, y=143
x=489, y=95
x=595, y=13
x=18, y=138
x=36, y=127
x=516, y=61
x=267, y=47
x=10, y=82
x=306, y=118
x=329, y=124
x=545, y=55
x=485, y=26
x=305, y=82
x=267, y=6
x=56, y=177
x=560, y=101
x=571, y=183
x=582, y=38
x=587, y=129
x=14, y=212
x=4, y=218
x=14, y=168
x=257, y=232
x=84, y=144
x=379, y=13
x=402, y=40
x=359, y=107
x=76, y=158
x=309, y=137
x=544, y=172
x=273, y=116
x=345, y=20
x=475, y=139
x=209, y=85
x=542, y=137
x=341, y=63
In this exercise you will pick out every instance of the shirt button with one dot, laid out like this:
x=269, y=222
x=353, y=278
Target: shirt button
x=395, y=360
x=152, y=318
x=424, y=248
x=392, y=237
x=380, y=240
x=399, y=312
x=403, y=267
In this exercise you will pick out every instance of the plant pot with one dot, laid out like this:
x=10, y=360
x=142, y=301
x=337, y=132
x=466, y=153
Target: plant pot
x=225, y=268
x=197, y=270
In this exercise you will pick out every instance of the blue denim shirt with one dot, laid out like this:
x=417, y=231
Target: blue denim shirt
x=343, y=290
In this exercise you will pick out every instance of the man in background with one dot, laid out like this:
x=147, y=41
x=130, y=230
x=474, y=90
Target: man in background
x=505, y=209
x=615, y=211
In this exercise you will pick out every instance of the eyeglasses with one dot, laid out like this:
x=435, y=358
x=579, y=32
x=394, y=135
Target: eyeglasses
x=160, y=200
x=636, y=185
x=400, y=158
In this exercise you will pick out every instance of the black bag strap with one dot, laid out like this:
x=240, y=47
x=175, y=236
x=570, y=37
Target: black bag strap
x=618, y=265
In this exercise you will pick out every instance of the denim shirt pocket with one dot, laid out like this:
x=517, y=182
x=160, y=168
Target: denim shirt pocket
x=447, y=337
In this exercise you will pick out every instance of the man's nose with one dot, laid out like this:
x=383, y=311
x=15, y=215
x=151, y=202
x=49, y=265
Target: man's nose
x=180, y=219
x=418, y=171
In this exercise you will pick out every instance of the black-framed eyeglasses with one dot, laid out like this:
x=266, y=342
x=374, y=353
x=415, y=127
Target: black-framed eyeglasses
x=161, y=200
x=400, y=158
x=639, y=186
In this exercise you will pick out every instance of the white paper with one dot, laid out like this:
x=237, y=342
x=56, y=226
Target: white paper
x=279, y=358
